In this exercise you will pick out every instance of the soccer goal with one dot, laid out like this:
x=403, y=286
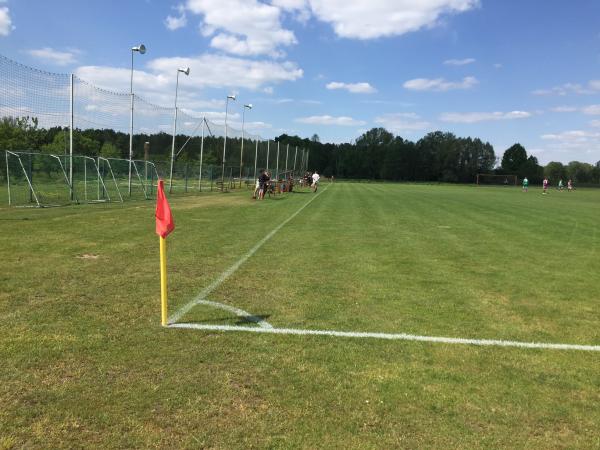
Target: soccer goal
x=497, y=180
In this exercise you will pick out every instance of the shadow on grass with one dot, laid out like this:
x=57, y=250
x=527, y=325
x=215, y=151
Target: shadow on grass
x=255, y=319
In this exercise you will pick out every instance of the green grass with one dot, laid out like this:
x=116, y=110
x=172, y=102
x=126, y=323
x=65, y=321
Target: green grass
x=85, y=362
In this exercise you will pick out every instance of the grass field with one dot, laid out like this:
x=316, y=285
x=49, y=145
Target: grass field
x=85, y=362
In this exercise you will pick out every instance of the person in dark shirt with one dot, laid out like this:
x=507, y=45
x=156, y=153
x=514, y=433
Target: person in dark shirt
x=263, y=180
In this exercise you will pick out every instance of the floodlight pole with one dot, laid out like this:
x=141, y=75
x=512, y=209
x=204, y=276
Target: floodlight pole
x=71, y=100
x=255, y=158
x=277, y=166
x=232, y=97
x=268, y=145
x=248, y=106
x=141, y=49
x=295, y=156
x=187, y=72
x=201, y=156
x=287, y=151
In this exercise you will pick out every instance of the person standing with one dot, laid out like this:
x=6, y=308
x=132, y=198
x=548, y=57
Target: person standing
x=545, y=185
x=525, y=184
x=315, y=181
x=560, y=185
x=263, y=180
x=569, y=185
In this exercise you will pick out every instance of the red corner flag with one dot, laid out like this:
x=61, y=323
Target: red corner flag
x=164, y=218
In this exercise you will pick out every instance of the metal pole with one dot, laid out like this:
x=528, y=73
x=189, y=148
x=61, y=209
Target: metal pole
x=255, y=158
x=277, y=167
x=71, y=138
x=242, y=150
x=130, y=125
x=295, y=155
x=85, y=179
x=201, y=155
x=268, y=142
x=174, y=135
x=225, y=141
x=7, y=177
x=287, y=151
x=307, y=155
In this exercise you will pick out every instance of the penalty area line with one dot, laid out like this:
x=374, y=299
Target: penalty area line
x=231, y=270
x=391, y=336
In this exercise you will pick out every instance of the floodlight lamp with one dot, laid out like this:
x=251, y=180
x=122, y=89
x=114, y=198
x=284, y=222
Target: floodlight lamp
x=232, y=97
x=249, y=106
x=186, y=70
x=140, y=48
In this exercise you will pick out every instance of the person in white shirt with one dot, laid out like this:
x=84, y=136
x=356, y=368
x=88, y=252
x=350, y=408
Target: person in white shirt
x=315, y=177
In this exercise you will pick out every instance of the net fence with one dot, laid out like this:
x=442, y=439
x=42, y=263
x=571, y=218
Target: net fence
x=66, y=140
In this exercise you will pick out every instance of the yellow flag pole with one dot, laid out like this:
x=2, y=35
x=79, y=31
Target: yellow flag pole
x=163, y=281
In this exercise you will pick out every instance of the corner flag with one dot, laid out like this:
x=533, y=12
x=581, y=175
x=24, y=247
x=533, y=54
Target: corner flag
x=164, y=218
x=164, y=225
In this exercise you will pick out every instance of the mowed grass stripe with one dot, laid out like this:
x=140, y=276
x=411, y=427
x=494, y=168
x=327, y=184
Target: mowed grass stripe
x=416, y=259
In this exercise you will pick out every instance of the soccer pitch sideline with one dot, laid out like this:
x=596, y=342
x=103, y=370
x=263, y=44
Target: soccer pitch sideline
x=86, y=363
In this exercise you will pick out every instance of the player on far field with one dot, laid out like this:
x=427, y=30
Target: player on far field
x=315, y=178
x=569, y=186
x=525, y=184
x=545, y=185
x=560, y=185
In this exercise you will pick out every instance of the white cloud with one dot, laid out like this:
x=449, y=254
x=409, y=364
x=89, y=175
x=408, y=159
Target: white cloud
x=563, y=109
x=369, y=19
x=175, y=22
x=402, y=122
x=474, y=117
x=205, y=71
x=242, y=27
x=439, y=84
x=576, y=144
x=498, y=66
x=52, y=56
x=228, y=72
x=595, y=123
x=592, y=110
x=355, y=88
x=330, y=120
x=459, y=62
x=6, y=25
x=592, y=87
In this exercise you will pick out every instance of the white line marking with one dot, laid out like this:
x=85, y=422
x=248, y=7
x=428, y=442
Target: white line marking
x=391, y=336
x=238, y=312
x=215, y=284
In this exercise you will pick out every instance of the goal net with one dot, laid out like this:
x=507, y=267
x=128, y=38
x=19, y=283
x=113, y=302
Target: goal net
x=497, y=180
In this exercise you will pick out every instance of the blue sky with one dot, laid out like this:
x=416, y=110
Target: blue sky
x=505, y=71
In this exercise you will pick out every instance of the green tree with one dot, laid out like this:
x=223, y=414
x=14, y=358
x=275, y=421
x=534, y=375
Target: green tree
x=580, y=172
x=82, y=144
x=109, y=150
x=514, y=158
x=555, y=171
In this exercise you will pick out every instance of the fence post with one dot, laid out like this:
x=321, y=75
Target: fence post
x=201, y=155
x=72, y=96
x=277, y=167
x=295, y=155
x=185, y=174
x=7, y=177
x=255, y=158
x=30, y=175
x=268, y=142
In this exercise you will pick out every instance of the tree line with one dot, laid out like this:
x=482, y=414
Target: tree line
x=376, y=155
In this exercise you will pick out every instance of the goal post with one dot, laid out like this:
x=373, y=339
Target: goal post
x=484, y=179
